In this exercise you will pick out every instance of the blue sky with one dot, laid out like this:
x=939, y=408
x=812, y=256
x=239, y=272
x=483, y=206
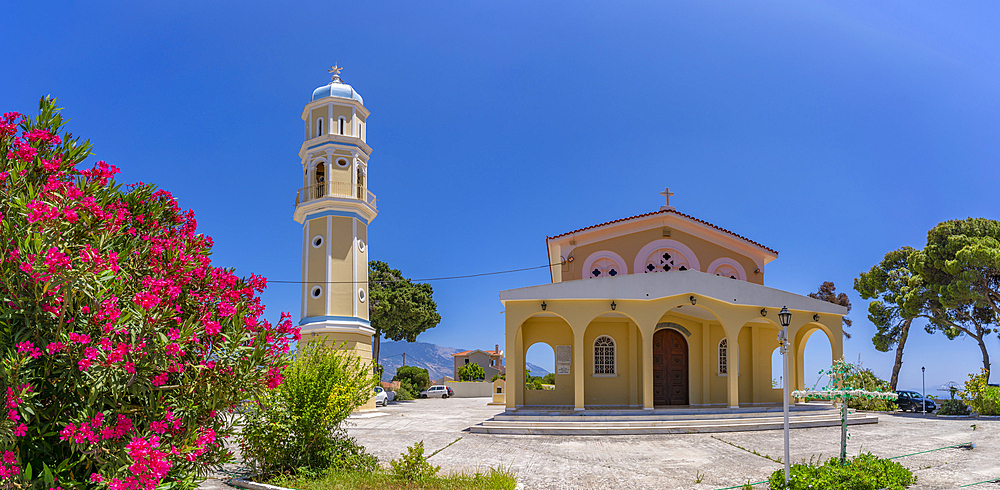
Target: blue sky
x=832, y=132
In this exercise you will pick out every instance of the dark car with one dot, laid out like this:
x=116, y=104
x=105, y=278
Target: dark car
x=450, y=392
x=910, y=401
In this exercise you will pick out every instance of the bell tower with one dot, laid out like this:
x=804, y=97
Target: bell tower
x=335, y=208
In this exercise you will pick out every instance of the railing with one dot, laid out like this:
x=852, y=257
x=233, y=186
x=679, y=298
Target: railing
x=335, y=189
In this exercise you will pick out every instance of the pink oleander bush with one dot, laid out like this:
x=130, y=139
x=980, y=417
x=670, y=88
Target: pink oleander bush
x=123, y=351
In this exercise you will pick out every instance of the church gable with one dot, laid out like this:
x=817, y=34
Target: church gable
x=664, y=241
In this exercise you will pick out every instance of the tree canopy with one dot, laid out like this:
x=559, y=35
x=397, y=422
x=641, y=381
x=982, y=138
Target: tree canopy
x=471, y=372
x=959, y=279
x=419, y=378
x=887, y=284
x=398, y=307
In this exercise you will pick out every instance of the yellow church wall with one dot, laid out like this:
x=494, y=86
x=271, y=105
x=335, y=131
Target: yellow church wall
x=628, y=247
x=606, y=389
x=341, y=295
x=745, y=372
x=338, y=173
x=552, y=332
x=316, y=265
x=361, y=267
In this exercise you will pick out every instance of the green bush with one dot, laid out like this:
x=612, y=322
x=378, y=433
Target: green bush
x=297, y=425
x=498, y=376
x=980, y=396
x=471, y=372
x=419, y=378
x=413, y=465
x=863, y=472
x=953, y=407
x=406, y=391
x=865, y=379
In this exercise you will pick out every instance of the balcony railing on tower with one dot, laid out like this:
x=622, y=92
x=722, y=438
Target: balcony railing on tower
x=335, y=189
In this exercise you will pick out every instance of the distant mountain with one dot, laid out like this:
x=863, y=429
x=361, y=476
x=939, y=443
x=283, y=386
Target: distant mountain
x=436, y=359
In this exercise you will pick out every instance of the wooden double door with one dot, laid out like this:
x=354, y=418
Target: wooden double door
x=670, y=368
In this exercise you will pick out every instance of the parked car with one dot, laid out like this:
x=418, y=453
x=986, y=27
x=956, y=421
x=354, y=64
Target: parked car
x=381, y=398
x=910, y=401
x=392, y=395
x=437, y=390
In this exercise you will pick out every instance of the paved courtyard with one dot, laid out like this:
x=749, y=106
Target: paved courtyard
x=671, y=461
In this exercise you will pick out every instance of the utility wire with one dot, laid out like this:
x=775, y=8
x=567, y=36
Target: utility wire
x=420, y=280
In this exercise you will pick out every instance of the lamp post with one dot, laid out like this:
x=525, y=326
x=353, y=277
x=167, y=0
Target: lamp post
x=786, y=318
x=923, y=389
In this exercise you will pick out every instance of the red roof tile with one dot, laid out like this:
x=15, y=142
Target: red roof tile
x=674, y=212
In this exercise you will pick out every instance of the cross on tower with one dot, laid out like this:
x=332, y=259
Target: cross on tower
x=666, y=193
x=335, y=70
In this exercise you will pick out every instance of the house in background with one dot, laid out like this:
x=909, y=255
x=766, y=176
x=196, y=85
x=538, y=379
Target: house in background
x=490, y=360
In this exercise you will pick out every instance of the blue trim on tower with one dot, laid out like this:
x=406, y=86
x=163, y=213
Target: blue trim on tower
x=335, y=143
x=342, y=214
x=317, y=319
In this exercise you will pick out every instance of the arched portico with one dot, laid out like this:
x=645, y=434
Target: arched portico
x=577, y=313
x=800, y=339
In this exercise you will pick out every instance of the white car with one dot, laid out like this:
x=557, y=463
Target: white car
x=436, y=390
x=381, y=398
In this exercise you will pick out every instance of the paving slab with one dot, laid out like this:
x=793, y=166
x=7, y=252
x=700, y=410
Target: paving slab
x=670, y=460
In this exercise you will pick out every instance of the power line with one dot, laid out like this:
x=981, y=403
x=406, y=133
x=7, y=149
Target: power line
x=420, y=280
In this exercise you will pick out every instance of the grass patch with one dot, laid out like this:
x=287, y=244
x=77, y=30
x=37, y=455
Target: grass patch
x=492, y=479
x=863, y=472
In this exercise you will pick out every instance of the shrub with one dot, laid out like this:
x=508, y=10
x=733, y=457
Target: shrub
x=863, y=472
x=297, y=424
x=498, y=376
x=864, y=379
x=406, y=391
x=413, y=465
x=471, y=372
x=953, y=407
x=980, y=396
x=122, y=349
x=419, y=378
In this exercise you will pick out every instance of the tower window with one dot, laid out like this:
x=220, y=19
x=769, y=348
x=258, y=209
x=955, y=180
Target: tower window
x=361, y=295
x=342, y=125
x=317, y=241
x=342, y=162
x=320, y=176
x=361, y=183
x=316, y=291
x=319, y=127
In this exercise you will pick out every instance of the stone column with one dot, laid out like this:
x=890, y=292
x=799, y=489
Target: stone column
x=755, y=353
x=707, y=371
x=647, y=371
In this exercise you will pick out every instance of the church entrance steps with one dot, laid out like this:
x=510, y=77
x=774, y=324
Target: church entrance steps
x=643, y=422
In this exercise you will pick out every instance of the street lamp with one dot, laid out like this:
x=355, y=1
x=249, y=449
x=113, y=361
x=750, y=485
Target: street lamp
x=785, y=317
x=923, y=396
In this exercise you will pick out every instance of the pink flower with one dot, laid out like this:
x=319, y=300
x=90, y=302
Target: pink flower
x=96, y=477
x=20, y=430
x=9, y=457
x=160, y=379
x=146, y=300
x=55, y=347
x=30, y=349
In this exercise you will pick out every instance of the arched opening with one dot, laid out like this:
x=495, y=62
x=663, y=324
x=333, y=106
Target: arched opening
x=361, y=183
x=319, y=127
x=342, y=125
x=319, y=179
x=539, y=367
x=816, y=355
x=777, y=369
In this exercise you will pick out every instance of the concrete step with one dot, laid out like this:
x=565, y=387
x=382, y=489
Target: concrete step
x=702, y=412
x=662, y=426
x=591, y=415
x=648, y=422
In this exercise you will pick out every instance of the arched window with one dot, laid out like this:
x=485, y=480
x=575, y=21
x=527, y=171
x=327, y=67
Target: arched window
x=665, y=260
x=320, y=179
x=723, y=356
x=342, y=124
x=604, y=355
x=319, y=127
x=726, y=267
x=604, y=268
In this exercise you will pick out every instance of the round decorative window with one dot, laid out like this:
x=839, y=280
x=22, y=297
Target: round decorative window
x=361, y=295
x=317, y=241
x=342, y=162
x=316, y=291
x=361, y=245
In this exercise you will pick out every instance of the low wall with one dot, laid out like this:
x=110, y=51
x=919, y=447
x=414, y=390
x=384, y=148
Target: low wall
x=471, y=389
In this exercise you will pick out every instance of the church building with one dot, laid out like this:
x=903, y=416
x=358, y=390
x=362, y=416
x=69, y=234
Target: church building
x=659, y=309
